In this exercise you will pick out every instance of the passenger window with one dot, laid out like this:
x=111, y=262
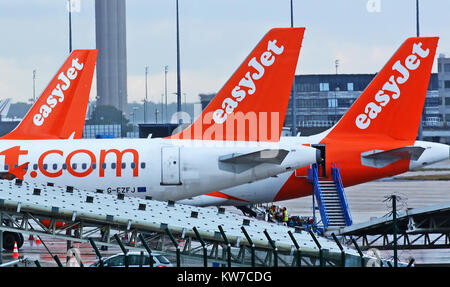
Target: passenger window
x=113, y=165
x=35, y=166
x=124, y=165
x=74, y=166
x=45, y=166
x=84, y=166
x=133, y=165
x=142, y=165
x=103, y=165
x=64, y=166
x=55, y=166
x=94, y=165
x=6, y=167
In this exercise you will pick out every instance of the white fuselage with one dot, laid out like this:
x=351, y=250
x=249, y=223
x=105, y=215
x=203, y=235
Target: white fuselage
x=266, y=190
x=163, y=169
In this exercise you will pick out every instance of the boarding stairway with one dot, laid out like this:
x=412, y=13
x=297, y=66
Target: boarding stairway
x=331, y=199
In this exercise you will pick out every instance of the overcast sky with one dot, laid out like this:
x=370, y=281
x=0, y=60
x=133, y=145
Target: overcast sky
x=216, y=36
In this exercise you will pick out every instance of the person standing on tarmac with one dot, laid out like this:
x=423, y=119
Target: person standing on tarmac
x=272, y=212
x=285, y=215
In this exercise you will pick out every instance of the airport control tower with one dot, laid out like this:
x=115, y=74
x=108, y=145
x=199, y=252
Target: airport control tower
x=110, y=33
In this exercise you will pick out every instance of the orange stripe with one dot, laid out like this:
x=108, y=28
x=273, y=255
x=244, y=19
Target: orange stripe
x=223, y=195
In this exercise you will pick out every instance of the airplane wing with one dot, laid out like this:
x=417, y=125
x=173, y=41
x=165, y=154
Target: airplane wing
x=380, y=158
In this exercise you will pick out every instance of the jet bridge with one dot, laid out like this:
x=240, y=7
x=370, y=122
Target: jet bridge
x=209, y=233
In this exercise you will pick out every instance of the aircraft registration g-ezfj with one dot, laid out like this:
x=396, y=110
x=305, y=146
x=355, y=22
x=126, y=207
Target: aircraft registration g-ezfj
x=376, y=138
x=218, y=151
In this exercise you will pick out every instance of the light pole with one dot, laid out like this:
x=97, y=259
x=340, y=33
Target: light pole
x=122, y=125
x=417, y=18
x=162, y=108
x=420, y=136
x=166, y=69
x=70, y=26
x=336, y=63
x=178, y=67
x=146, y=99
x=34, y=86
x=294, y=104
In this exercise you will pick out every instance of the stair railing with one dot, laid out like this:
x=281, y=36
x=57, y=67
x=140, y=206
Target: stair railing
x=313, y=177
x=342, y=197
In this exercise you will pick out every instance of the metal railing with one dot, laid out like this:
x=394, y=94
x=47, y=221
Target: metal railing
x=313, y=177
x=341, y=193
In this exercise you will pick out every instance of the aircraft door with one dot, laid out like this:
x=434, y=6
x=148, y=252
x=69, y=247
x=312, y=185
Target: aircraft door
x=170, y=166
x=321, y=166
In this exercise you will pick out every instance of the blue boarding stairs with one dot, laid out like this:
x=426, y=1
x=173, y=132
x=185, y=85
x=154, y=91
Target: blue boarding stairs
x=331, y=200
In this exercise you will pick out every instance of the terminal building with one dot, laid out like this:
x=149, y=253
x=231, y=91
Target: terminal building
x=321, y=100
x=444, y=87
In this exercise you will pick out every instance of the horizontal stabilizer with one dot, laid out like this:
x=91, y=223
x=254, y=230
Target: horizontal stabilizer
x=275, y=156
x=380, y=158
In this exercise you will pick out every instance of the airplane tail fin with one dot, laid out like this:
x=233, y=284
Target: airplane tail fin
x=60, y=111
x=392, y=103
x=252, y=105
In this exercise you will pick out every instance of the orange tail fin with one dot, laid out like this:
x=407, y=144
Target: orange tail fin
x=252, y=105
x=60, y=111
x=392, y=104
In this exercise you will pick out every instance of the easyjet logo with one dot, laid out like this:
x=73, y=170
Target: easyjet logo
x=57, y=95
x=247, y=85
x=391, y=89
x=69, y=161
